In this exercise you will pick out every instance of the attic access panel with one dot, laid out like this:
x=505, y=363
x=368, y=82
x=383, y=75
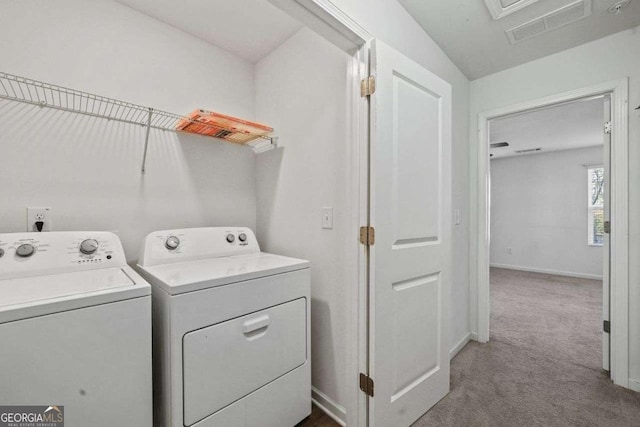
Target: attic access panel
x=501, y=8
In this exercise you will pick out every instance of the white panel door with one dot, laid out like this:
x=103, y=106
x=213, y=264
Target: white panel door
x=410, y=260
x=606, y=254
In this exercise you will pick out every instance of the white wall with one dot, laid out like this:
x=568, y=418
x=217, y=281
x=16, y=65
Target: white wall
x=603, y=60
x=315, y=156
x=106, y=48
x=88, y=170
x=539, y=213
x=301, y=88
x=391, y=23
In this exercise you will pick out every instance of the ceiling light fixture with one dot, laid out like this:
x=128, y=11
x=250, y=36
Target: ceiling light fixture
x=616, y=8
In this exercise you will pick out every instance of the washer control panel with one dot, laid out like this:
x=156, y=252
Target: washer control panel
x=188, y=244
x=32, y=254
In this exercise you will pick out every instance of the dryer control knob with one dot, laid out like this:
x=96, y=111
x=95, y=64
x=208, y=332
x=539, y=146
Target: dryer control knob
x=230, y=238
x=25, y=250
x=89, y=246
x=1, y=252
x=242, y=237
x=172, y=243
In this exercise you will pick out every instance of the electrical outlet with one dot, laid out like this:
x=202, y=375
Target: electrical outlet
x=327, y=218
x=36, y=215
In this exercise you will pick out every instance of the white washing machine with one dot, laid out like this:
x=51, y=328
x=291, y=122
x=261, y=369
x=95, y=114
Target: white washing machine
x=75, y=328
x=230, y=328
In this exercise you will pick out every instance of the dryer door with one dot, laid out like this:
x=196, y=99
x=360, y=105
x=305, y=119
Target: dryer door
x=227, y=361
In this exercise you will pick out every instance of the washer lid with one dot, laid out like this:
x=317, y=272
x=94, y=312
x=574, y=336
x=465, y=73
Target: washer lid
x=39, y=295
x=177, y=278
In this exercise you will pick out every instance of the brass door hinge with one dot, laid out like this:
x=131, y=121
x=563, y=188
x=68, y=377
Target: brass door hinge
x=607, y=227
x=366, y=384
x=368, y=86
x=367, y=235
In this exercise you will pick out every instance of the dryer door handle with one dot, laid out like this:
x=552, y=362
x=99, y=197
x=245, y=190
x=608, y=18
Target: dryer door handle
x=252, y=325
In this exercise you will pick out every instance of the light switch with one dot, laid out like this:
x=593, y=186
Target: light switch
x=327, y=218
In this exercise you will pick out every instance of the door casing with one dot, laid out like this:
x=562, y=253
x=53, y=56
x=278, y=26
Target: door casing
x=337, y=27
x=619, y=213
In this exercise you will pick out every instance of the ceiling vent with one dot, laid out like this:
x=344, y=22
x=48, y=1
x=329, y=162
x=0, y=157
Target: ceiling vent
x=552, y=20
x=528, y=150
x=501, y=8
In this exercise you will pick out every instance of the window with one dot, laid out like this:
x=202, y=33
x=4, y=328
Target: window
x=595, y=221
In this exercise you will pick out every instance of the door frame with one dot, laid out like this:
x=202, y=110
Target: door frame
x=619, y=205
x=323, y=17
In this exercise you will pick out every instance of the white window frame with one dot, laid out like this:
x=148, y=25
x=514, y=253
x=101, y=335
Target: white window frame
x=591, y=207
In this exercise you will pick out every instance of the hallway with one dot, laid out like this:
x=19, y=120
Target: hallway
x=542, y=366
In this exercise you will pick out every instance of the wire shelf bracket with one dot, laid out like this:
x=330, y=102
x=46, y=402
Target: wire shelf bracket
x=34, y=92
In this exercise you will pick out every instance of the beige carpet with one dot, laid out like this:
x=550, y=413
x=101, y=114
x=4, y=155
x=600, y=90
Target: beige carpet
x=542, y=366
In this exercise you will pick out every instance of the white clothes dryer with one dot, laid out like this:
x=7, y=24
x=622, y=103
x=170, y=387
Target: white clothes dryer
x=231, y=330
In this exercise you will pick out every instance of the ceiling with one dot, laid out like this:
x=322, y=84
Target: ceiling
x=478, y=45
x=574, y=125
x=250, y=29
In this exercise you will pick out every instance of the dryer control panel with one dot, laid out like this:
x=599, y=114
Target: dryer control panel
x=189, y=244
x=34, y=254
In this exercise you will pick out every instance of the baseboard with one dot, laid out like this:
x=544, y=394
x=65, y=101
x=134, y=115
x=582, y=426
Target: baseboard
x=473, y=336
x=545, y=271
x=456, y=349
x=634, y=384
x=332, y=409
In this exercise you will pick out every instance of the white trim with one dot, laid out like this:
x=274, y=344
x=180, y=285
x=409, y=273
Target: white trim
x=634, y=384
x=548, y=271
x=357, y=412
x=338, y=20
x=619, y=204
x=458, y=347
x=473, y=336
x=337, y=27
x=619, y=236
x=327, y=20
x=498, y=12
x=332, y=409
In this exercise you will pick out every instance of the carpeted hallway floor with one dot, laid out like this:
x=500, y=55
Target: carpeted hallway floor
x=542, y=366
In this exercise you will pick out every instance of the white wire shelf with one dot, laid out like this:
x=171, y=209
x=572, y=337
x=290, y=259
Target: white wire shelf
x=26, y=90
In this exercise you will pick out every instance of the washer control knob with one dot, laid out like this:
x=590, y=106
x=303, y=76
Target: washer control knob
x=89, y=246
x=1, y=252
x=242, y=237
x=231, y=238
x=172, y=243
x=25, y=250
